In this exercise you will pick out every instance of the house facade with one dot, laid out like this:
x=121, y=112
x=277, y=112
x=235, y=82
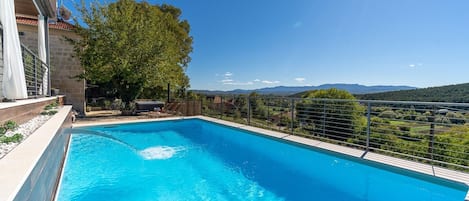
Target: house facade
x=40, y=31
x=64, y=66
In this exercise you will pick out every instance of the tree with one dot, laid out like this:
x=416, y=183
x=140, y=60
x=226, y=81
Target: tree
x=133, y=46
x=257, y=104
x=323, y=113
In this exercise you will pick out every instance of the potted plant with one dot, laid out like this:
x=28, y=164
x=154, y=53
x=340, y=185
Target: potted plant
x=54, y=91
x=128, y=109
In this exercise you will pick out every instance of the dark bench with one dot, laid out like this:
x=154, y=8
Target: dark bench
x=148, y=105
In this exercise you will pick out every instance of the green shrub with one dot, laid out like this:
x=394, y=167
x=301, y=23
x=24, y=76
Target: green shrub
x=388, y=114
x=2, y=131
x=404, y=128
x=15, y=138
x=456, y=117
x=10, y=125
x=51, y=106
x=421, y=118
x=442, y=119
x=50, y=113
x=107, y=104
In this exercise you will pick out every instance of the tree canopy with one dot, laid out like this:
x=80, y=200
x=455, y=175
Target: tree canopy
x=322, y=113
x=133, y=46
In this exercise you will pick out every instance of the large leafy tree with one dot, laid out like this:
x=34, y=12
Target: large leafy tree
x=133, y=46
x=330, y=113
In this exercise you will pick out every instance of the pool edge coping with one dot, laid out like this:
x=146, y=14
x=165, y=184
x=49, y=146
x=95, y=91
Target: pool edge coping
x=59, y=177
x=426, y=169
x=19, y=163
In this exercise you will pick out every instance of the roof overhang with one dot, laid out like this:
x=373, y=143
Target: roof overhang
x=35, y=7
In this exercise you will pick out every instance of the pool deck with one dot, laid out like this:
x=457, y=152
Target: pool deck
x=370, y=156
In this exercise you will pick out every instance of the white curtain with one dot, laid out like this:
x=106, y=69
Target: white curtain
x=14, y=83
x=42, y=53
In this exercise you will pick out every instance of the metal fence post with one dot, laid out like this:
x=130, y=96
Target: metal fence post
x=35, y=76
x=268, y=113
x=186, y=104
x=201, y=106
x=221, y=107
x=249, y=110
x=324, y=118
x=432, y=133
x=49, y=87
x=368, y=124
x=292, y=109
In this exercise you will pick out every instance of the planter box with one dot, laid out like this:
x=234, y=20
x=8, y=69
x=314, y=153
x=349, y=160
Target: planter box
x=33, y=168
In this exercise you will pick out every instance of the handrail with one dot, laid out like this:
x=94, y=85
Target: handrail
x=435, y=133
x=35, y=70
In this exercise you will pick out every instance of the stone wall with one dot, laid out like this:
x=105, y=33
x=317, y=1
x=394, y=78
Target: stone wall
x=63, y=65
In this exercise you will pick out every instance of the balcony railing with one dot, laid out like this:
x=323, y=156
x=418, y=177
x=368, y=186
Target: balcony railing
x=36, y=73
x=427, y=132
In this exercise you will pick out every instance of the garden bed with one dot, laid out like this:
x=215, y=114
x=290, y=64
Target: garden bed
x=11, y=134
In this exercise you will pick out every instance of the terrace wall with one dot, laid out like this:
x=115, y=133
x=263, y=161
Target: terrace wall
x=21, y=113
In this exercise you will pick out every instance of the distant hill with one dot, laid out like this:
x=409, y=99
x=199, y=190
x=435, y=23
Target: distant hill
x=286, y=91
x=458, y=93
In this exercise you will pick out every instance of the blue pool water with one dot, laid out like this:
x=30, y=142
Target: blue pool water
x=199, y=160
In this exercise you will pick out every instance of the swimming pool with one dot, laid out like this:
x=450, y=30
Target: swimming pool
x=199, y=160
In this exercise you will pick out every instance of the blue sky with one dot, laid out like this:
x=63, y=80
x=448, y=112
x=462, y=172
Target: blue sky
x=252, y=44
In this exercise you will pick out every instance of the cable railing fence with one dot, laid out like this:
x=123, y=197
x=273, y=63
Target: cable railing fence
x=36, y=74
x=427, y=132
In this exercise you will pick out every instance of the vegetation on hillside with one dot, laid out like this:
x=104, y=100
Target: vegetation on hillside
x=333, y=118
x=132, y=47
x=452, y=93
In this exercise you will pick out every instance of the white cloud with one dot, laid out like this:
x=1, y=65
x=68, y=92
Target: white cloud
x=227, y=80
x=238, y=83
x=300, y=79
x=297, y=24
x=270, y=82
x=415, y=65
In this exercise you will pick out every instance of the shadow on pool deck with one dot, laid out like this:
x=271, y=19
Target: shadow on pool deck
x=115, y=115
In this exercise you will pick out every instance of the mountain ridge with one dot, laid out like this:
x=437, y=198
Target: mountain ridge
x=458, y=93
x=290, y=90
